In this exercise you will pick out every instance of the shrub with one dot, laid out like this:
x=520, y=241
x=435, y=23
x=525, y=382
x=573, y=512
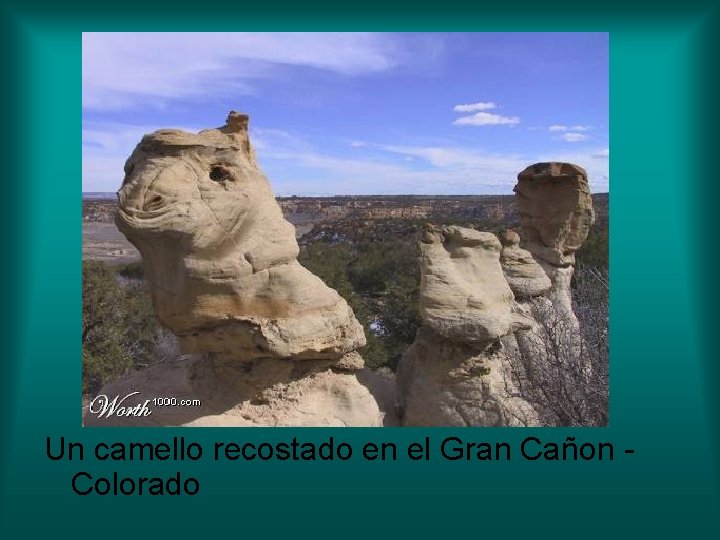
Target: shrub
x=380, y=280
x=118, y=326
x=564, y=370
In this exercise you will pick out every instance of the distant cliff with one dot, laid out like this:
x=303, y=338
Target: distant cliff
x=306, y=210
x=300, y=210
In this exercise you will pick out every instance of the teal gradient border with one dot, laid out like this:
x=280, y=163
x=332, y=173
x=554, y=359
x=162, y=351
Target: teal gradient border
x=664, y=395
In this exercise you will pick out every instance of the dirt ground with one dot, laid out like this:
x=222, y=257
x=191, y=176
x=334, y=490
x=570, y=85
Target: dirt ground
x=104, y=242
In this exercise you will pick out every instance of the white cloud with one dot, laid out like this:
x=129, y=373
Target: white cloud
x=265, y=139
x=602, y=154
x=560, y=127
x=105, y=148
x=472, y=107
x=573, y=137
x=423, y=169
x=433, y=169
x=486, y=119
x=458, y=157
x=407, y=169
x=124, y=69
x=358, y=144
x=296, y=166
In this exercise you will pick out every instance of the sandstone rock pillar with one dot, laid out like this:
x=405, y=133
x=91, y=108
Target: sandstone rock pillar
x=454, y=373
x=556, y=214
x=269, y=342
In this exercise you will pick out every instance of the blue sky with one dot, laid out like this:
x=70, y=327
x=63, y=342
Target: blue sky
x=358, y=113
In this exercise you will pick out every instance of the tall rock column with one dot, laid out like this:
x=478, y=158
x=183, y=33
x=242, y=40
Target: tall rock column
x=556, y=214
x=454, y=374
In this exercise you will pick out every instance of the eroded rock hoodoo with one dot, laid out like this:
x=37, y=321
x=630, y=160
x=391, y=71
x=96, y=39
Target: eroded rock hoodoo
x=485, y=302
x=218, y=254
x=556, y=214
x=555, y=209
x=271, y=344
x=454, y=374
x=268, y=343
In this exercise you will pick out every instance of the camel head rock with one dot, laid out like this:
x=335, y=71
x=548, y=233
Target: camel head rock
x=220, y=257
x=463, y=293
x=555, y=209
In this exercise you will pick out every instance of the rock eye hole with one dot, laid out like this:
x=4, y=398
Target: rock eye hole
x=220, y=174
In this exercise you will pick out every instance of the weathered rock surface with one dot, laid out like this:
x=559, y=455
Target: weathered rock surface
x=274, y=346
x=220, y=258
x=453, y=374
x=263, y=392
x=463, y=293
x=482, y=304
x=525, y=276
x=556, y=213
x=448, y=383
x=556, y=210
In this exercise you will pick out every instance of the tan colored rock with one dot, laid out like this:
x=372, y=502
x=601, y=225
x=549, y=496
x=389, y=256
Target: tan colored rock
x=220, y=258
x=276, y=346
x=556, y=214
x=447, y=383
x=555, y=209
x=264, y=392
x=484, y=307
x=352, y=361
x=463, y=293
x=453, y=373
x=525, y=276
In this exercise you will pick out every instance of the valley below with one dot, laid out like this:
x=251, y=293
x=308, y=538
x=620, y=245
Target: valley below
x=317, y=218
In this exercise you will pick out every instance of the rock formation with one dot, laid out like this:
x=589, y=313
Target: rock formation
x=483, y=304
x=266, y=342
x=220, y=258
x=274, y=341
x=556, y=213
x=453, y=373
x=555, y=210
x=525, y=276
x=232, y=393
x=463, y=294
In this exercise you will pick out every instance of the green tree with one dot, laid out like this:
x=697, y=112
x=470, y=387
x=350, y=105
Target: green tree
x=118, y=326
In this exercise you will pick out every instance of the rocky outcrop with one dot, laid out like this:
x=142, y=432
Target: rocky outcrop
x=454, y=374
x=228, y=393
x=267, y=343
x=485, y=302
x=443, y=382
x=556, y=211
x=220, y=258
x=463, y=294
x=221, y=264
x=525, y=277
